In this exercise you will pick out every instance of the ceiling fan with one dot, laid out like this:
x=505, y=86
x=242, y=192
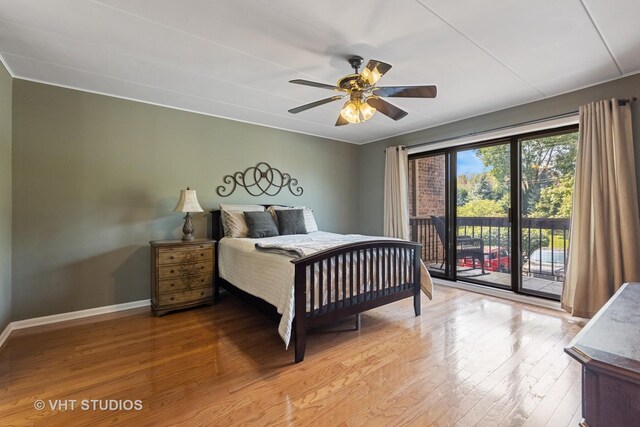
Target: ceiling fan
x=364, y=97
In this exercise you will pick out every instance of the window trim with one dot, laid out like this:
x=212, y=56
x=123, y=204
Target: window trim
x=493, y=135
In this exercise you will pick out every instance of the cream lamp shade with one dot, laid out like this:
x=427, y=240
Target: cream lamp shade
x=188, y=202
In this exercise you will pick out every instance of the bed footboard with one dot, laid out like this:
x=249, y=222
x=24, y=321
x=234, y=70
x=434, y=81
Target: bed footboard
x=350, y=279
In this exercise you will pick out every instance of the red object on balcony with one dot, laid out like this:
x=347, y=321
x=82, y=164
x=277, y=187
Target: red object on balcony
x=495, y=259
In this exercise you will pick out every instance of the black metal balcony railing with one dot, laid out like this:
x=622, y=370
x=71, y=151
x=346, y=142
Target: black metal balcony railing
x=549, y=235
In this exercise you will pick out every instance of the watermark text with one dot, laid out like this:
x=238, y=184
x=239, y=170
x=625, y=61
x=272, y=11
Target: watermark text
x=88, y=405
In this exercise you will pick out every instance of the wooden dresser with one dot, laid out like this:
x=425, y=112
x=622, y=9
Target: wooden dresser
x=609, y=350
x=181, y=274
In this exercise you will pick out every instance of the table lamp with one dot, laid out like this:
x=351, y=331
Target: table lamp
x=188, y=202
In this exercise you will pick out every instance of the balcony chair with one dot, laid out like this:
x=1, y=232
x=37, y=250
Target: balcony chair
x=466, y=246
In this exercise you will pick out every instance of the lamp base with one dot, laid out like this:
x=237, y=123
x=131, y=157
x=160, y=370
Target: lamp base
x=187, y=229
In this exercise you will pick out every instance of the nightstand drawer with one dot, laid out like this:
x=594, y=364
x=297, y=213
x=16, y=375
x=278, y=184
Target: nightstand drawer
x=171, y=271
x=191, y=296
x=184, y=255
x=182, y=283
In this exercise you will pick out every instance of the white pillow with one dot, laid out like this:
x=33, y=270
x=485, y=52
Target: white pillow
x=309, y=220
x=233, y=222
x=242, y=208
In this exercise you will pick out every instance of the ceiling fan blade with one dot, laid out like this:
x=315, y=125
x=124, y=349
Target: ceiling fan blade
x=407, y=91
x=387, y=108
x=341, y=121
x=315, y=84
x=373, y=71
x=315, y=104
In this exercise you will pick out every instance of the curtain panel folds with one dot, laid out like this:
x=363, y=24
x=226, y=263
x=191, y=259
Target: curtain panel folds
x=604, y=247
x=396, y=193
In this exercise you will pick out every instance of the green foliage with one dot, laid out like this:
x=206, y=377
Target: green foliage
x=556, y=201
x=482, y=208
x=478, y=186
x=559, y=242
x=497, y=158
x=547, y=165
x=505, y=202
x=482, y=187
x=462, y=197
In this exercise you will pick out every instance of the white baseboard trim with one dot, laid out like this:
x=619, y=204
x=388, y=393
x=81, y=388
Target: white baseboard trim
x=5, y=334
x=499, y=293
x=63, y=317
x=73, y=315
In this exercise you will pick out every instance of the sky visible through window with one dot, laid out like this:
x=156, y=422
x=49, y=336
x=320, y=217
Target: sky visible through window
x=469, y=163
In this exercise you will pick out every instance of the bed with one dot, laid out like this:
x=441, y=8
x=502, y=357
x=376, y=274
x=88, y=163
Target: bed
x=355, y=274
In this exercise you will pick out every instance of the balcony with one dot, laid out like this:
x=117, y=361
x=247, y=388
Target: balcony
x=544, y=251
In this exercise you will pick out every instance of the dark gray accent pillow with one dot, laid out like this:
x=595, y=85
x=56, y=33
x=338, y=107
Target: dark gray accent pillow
x=260, y=224
x=291, y=221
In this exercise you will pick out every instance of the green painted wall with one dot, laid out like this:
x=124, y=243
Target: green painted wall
x=5, y=197
x=95, y=178
x=371, y=156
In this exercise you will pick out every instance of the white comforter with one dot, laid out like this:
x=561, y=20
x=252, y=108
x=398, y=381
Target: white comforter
x=270, y=276
x=299, y=245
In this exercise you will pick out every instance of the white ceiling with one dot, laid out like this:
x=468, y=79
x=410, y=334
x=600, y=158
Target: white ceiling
x=234, y=59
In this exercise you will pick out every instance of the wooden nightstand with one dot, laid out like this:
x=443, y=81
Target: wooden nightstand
x=181, y=274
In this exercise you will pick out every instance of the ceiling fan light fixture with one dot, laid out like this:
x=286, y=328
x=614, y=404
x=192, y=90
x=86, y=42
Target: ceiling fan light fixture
x=350, y=112
x=367, y=110
x=356, y=111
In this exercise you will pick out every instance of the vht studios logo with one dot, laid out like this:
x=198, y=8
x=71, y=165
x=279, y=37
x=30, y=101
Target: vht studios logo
x=88, y=405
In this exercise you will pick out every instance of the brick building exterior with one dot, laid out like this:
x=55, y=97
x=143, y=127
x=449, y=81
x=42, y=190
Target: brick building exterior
x=427, y=186
x=427, y=197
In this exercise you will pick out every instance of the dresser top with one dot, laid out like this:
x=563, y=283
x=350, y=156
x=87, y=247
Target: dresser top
x=611, y=340
x=179, y=242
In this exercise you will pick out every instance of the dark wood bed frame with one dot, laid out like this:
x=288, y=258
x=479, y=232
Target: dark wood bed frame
x=392, y=273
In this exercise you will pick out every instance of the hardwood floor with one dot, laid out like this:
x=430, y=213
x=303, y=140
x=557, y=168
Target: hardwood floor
x=468, y=360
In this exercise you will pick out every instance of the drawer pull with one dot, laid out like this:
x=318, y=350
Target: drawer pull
x=171, y=298
x=172, y=257
x=202, y=280
x=172, y=284
x=172, y=271
x=202, y=267
x=201, y=293
x=202, y=254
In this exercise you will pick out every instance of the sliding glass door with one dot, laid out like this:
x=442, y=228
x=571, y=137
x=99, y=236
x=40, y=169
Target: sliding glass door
x=483, y=203
x=548, y=162
x=497, y=213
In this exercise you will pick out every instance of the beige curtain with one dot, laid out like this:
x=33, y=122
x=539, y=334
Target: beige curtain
x=396, y=204
x=604, y=248
x=396, y=193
